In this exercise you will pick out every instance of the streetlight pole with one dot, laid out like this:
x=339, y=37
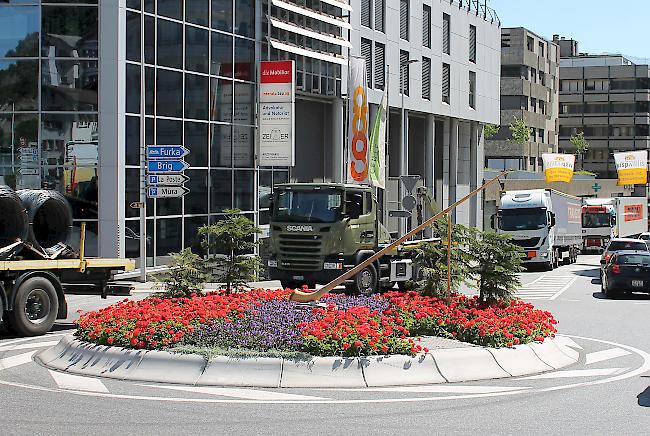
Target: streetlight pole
x=404, y=152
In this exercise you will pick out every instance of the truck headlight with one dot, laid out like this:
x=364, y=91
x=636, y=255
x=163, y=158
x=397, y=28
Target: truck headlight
x=544, y=254
x=273, y=263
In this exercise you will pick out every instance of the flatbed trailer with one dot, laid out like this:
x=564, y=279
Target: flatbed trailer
x=32, y=292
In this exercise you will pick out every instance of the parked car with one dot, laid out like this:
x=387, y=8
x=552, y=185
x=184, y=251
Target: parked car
x=626, y=271
x=645, y=236
x=620, y=244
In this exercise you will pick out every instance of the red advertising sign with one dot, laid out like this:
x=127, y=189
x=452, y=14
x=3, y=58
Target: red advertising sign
x=633, y=212
x=276, y=72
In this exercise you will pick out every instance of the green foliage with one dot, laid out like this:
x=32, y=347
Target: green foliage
x=496, y=262
x=584, y=173
x=186, y=275
x=489, y=130
x=430, y=262
x=489, y=257
x=519, y=131
x=581, y=145
x=234, y=237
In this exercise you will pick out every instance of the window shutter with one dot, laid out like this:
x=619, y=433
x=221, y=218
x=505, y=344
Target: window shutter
x=366, y=53
x=403, y=72
x=445, y=83
x=426, y=26
x=426, y=78
x=379, y=15
x=404, y=19
x=472, y=43
x=380, y=56
x=446, y=36
x=365, y=13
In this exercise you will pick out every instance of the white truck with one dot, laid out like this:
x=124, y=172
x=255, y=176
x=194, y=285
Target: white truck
x=606, y=218
x=544, y=222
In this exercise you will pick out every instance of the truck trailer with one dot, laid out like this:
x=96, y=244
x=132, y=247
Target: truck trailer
x=606, y=218
x=544, y=222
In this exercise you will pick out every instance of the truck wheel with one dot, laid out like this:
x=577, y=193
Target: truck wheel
x=35, y=307
x=365, y=281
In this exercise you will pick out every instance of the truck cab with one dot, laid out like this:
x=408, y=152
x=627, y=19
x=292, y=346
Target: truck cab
x=319, y=231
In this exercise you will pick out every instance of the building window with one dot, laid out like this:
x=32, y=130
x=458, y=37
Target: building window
x=379, y=15
x=541, y=135
x=446, y=33
x=542, y=107
x=366, y=53
x=404, y=71
x=533, y=104
x=446, y=84
x=541, y=49
x=542, y=78
x=426, y=26
x=426, y=78
x=365, y=13
x=472, y=89
x=404, y=19
x=472, y=43
x=533, y=75
x=380, y=62
x=530, y=43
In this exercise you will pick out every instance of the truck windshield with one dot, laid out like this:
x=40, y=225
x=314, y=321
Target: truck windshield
x=595, y=220
x=308, y=206
x=522, y=219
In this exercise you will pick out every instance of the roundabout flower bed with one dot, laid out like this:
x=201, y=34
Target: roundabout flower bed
x=265, y=320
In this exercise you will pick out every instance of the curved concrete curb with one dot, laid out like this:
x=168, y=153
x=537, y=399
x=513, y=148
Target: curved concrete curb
x=437, y=366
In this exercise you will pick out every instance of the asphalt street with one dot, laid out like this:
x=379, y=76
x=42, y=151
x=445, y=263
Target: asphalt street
x=607, y=392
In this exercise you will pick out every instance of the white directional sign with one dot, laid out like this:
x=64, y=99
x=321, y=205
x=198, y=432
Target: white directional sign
x=166, y=191
x=166, y=179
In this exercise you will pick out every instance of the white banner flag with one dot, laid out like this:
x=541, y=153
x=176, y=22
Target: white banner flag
x=357, y=154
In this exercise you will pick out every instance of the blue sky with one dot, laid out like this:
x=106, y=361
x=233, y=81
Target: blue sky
x=614, y=26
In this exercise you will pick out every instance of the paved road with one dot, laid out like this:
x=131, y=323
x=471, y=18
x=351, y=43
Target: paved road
x=607, y=392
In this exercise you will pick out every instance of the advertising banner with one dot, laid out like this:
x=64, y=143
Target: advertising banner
x=357, y=155
x=378, y=146
x=276, y=114
x=632, y=167
x=558, y=167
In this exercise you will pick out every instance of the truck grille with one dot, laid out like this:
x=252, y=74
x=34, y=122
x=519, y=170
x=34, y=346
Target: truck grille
x=300, y=252
x=526, y=243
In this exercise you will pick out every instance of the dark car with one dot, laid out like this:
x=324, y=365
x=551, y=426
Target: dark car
x=626, y=271
x=620, y=244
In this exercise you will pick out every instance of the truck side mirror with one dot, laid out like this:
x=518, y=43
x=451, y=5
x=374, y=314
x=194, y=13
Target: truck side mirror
x=552, y=224
x=613, y=219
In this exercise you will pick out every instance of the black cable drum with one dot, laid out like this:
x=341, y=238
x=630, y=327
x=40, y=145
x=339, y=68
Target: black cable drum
x=14, y=223
x=50, y=217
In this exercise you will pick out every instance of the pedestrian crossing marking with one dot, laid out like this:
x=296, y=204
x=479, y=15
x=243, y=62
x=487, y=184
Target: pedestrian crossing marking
x=247, y=394
x=600, y=356
x=77, y=382
x=547, y=287
x=17, y=360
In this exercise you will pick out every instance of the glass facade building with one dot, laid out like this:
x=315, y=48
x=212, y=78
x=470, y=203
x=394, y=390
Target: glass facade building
x=49, y=102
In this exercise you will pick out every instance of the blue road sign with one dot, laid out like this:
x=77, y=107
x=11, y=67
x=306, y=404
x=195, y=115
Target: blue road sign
x=166, y=151
x=167, y=166
x=166, y=179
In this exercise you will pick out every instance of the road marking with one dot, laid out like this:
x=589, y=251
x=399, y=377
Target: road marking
x=18, y=341
x=576, y=373
x=29, y=346
x=600, y=356
x=546, y=287
x=247, y=394
x=567, y=286
x=19, y=359
x=77, y=382
x=564, y=340
x=437, y=389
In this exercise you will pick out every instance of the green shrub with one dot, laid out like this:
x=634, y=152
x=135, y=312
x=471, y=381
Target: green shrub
x=186, y=275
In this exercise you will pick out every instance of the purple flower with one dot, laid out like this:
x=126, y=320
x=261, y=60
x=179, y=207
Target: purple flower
x=344, y=302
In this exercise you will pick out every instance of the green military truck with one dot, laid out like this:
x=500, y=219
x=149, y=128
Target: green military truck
x=318, y=231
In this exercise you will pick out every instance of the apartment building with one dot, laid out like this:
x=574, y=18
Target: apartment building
x=529, y=92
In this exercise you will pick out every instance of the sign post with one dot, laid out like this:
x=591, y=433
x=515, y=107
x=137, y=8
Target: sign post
x=277, y=113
